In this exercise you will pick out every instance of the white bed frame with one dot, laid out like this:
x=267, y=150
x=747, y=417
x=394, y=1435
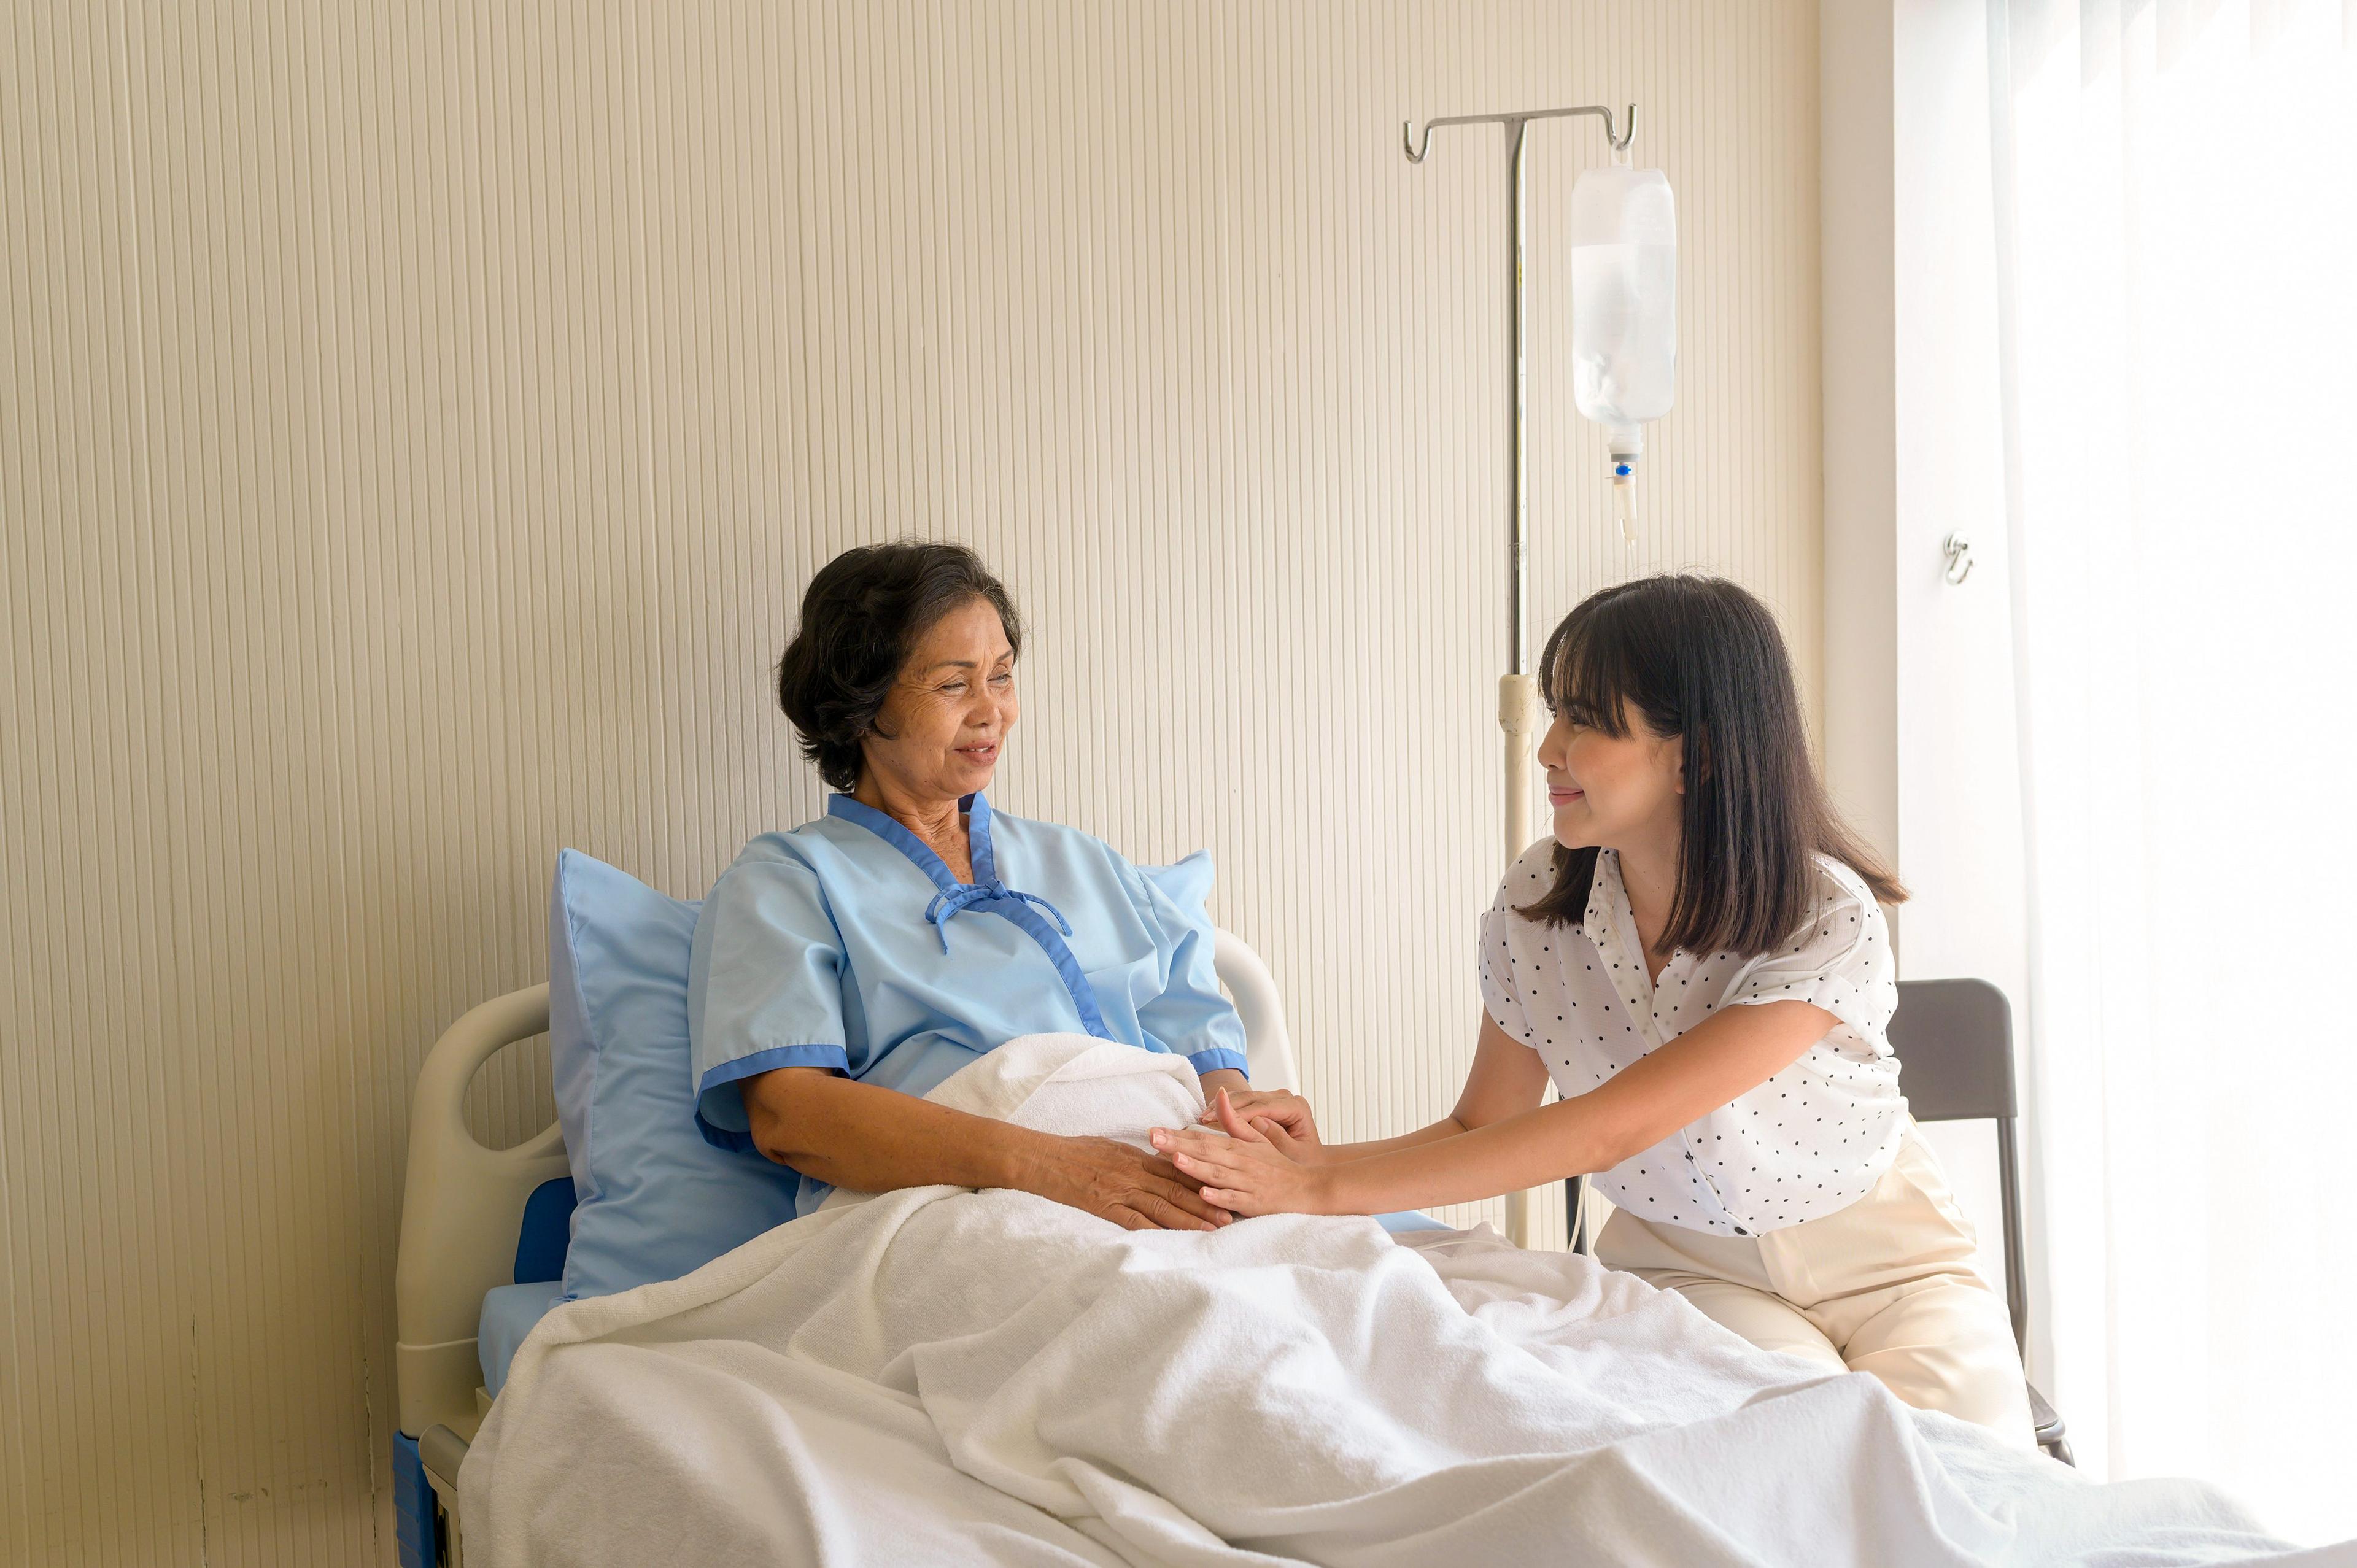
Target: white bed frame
x=462, y=1208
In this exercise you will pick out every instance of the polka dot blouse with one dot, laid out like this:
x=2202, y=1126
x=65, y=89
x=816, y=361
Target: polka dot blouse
x=1809, y=1141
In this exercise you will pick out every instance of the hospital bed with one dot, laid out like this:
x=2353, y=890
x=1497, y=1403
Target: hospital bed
x=484, y=1231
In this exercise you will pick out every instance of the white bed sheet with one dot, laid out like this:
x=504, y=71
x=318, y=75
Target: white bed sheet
x=941, y=1375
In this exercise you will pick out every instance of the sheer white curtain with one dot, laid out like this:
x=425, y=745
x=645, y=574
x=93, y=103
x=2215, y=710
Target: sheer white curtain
x=2176, y=217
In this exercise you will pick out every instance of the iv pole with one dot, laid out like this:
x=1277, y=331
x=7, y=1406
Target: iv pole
x=1517, y=690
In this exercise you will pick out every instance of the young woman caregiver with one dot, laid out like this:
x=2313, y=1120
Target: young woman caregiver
x=1698, y=959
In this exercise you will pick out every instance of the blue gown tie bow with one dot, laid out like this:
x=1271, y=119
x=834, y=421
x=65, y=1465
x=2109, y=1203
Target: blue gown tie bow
x=952, y=902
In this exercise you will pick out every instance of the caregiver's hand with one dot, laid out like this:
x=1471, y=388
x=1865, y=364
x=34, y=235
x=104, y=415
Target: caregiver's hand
x=1290, y=1112
x=1127, y=1186
x=1247, y=1171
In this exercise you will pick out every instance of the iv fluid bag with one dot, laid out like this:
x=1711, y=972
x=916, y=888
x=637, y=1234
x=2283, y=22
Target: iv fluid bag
x=1624, y=302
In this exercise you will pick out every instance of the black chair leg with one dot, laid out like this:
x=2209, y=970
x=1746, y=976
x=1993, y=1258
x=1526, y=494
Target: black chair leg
x=1574, y=1203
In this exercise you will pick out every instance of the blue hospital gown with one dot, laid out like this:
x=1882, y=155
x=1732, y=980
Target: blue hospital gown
x=848, y=944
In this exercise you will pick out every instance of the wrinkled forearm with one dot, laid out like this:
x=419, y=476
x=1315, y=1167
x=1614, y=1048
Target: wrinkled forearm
x=872, y=1139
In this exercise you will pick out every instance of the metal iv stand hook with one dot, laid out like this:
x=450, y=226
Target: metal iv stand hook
x=1415, y=146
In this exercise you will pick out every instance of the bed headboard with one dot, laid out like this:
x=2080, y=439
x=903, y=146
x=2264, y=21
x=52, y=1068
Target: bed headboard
x=462, y=1205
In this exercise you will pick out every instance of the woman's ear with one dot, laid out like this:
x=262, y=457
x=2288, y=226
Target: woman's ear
x=1678, y=762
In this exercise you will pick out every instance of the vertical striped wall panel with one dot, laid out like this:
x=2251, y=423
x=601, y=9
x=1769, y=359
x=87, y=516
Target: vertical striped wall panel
x=417, y=421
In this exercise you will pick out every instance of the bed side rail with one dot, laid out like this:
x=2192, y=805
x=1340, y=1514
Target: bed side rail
x=460, y=1208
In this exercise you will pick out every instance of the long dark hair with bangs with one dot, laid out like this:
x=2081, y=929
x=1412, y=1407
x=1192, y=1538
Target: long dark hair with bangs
x=1700, y=659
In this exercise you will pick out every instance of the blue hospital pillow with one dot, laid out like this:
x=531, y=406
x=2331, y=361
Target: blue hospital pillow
x=656, y=1201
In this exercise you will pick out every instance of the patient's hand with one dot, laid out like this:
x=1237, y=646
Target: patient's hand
x=1115, y=1181
x=1248, y=1171
x=1289, y=1113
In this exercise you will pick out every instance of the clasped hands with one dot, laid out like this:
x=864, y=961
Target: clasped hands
x=1270, y=1162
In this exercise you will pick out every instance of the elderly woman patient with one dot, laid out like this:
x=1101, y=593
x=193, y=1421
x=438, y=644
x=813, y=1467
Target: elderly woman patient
x=845, y=967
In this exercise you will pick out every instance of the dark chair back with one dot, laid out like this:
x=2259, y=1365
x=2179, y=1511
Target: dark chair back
x=1954, y=1040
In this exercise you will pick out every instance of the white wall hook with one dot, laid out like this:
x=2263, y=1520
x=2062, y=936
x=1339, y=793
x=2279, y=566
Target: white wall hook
x=1959, y=551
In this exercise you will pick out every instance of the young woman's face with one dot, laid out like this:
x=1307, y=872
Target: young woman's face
x=1612, y=793
x=939, y=736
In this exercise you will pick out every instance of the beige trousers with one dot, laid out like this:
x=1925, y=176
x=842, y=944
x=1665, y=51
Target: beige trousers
x=1885, y=1286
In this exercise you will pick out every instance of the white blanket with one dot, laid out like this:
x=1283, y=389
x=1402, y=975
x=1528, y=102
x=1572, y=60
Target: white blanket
x=941, y=1375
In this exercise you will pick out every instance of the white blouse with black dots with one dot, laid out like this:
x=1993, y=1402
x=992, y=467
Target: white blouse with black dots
x=1809, y=1141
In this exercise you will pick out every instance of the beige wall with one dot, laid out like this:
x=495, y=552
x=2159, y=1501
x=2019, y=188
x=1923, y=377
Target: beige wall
x=417, y=423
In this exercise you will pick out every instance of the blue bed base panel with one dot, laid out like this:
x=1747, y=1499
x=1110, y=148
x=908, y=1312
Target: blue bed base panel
x=418, y=1532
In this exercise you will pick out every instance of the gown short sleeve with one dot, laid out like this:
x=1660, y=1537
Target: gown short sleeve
x=1191, y=1018
x=764, y=989
x=1840, y=961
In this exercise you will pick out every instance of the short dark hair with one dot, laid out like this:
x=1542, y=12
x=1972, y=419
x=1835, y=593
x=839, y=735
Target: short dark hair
x=1700, y=658
x=862, y=614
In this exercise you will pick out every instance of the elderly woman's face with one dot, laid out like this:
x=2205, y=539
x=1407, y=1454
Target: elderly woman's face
x=939, y=736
